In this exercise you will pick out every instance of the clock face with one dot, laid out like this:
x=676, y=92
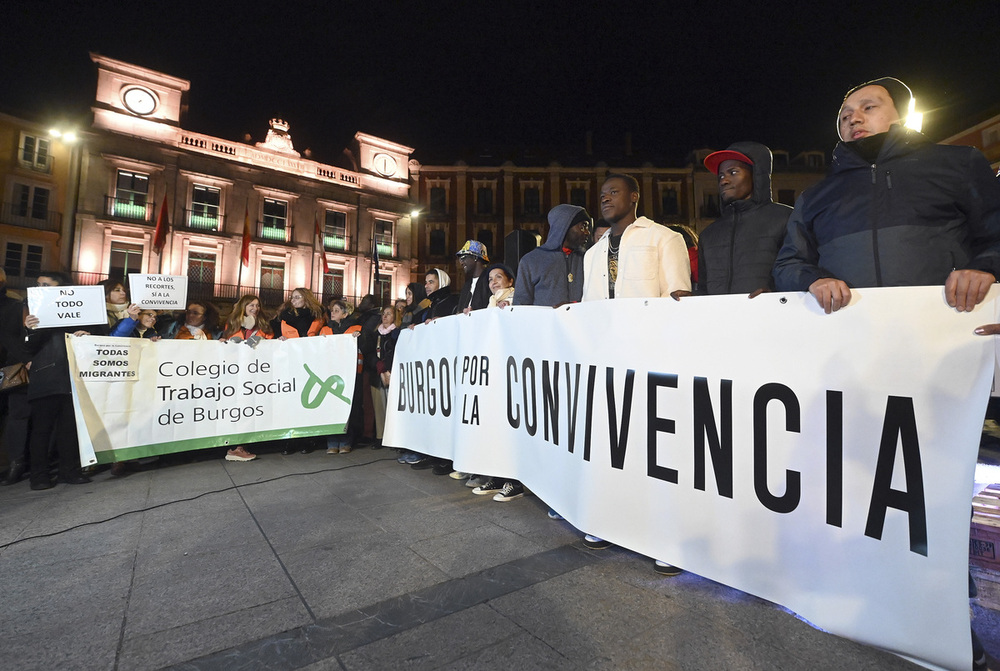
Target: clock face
x=385, y=165
x=139, y=100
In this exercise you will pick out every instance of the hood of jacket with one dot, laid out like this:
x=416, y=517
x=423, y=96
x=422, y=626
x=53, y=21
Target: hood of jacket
x=560, y=218
x=761, y=157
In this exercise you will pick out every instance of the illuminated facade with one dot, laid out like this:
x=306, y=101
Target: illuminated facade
x=984, y=136
x=137, y=155
x=92, y=206
x=35, y=169
x=489, y=202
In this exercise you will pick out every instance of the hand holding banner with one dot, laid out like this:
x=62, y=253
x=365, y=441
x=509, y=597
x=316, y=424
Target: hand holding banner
x=823, y=462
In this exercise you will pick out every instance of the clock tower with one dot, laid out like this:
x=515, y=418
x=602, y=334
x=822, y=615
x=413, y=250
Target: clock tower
x=127, y=93
x=381, y=157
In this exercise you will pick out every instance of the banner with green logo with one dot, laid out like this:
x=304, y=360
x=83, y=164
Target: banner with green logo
x=137, y=398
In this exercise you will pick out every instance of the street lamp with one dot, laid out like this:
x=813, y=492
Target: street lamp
x=67, y=228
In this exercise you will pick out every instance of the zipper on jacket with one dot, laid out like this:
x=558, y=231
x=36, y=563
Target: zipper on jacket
x=888, y=179
x=732, y=244
x=874, y=224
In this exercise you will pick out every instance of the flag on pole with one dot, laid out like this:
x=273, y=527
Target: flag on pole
x=322, y=245
x=375, y=265
x=245, y=250
x=162, y=227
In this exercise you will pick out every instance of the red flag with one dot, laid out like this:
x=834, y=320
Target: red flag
x=375, y=263
x=162, y=227
x=245, y=251
x=322, y=245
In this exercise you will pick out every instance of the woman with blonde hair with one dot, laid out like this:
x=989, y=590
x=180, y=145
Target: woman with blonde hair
x=302, y=316
x=247, y=321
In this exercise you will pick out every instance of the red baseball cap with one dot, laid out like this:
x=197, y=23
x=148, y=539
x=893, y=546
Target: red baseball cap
x=713, y=160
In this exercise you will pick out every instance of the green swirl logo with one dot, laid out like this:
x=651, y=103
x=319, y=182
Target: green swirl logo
x=332, y=385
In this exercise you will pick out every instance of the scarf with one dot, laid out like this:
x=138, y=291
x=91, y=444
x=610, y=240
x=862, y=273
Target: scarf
x=300, y=322
x=118, y=311
x=196, y=332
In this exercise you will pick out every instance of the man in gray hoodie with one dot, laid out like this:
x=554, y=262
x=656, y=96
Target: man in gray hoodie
x=553, y=273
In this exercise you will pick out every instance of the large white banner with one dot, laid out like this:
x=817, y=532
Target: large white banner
x=823, y=462
x=135, y=398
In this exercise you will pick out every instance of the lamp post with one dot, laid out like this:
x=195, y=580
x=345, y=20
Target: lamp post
x=67, y=227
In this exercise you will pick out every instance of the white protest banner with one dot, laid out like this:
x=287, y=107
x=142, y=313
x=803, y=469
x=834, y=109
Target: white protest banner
x=135, y=398
x=68, y=306
x=823, y=462
x=158, y=292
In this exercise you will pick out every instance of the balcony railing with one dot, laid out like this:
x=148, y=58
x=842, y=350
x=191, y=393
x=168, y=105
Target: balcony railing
x=337, y=243
x=387, y=250
x=268, y=232
x=128, y=209
x=15, y=214
x=202, y=220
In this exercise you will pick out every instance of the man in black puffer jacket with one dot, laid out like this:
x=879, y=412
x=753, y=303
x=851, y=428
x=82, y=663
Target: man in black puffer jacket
x=736, y=252
x=895, y=210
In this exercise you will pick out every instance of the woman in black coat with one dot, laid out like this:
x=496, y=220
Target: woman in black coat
x=50, y=396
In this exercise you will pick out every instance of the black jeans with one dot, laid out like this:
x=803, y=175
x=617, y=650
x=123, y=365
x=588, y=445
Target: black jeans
x=15, y=435
x=52, y=417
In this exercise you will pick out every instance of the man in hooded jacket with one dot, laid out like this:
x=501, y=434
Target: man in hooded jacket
x=736, y=252
x=553, y=273
x=895, y=210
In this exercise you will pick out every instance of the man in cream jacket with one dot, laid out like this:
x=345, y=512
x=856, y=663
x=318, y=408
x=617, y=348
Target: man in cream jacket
x=636, y=258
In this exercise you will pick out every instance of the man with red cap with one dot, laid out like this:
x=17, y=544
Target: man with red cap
x=736, y=252
x=895, y=210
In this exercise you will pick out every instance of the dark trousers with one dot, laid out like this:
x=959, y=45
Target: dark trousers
x=15, y=434
x=52, y=418
x=355, y=423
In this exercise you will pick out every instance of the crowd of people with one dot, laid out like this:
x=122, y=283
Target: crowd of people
x=895, y=210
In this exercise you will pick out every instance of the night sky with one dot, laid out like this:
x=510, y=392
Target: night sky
x=452, y=79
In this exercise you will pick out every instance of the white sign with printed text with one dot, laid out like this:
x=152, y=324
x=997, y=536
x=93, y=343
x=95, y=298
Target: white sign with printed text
x=68, y=306
x=158, y=292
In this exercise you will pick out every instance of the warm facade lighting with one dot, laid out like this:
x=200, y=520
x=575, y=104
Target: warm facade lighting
x=67, y=137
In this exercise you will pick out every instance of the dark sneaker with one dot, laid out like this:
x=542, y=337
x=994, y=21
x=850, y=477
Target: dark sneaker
x=422, y=464
x=553, y=515
x=510, y=491
x=491, y=486
x=443, y=468
x=595, y=543
x=663, y=568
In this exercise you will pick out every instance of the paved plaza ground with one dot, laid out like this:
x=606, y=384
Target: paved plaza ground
x=316, y=561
